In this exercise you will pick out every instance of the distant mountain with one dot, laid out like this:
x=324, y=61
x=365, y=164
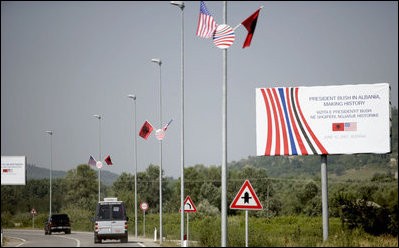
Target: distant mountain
x=34, y=172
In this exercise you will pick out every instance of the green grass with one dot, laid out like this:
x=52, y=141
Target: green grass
x=288, y=231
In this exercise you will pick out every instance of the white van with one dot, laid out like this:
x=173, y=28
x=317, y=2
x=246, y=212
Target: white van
x=110, y=221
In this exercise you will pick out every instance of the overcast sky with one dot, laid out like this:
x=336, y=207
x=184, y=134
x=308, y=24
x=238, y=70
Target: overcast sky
x=63, y=62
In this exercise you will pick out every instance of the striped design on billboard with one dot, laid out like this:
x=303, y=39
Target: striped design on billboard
x=288, y=132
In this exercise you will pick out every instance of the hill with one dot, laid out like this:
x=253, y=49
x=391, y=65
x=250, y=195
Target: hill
x=34, y=172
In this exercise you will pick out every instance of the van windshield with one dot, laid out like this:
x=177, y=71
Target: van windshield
x=110, y=212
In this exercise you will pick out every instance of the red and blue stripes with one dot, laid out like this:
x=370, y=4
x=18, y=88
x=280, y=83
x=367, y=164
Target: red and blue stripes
x=288, y=132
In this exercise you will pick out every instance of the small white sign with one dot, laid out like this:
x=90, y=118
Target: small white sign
x=160, y=134
x=13, y=170
x=144, y=206
x=99, y=164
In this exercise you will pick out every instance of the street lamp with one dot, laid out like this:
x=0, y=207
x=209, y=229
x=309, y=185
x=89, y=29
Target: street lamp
x=159, y=62
x=180, y=4
x=99, y=155
x=51, y=164
x=135, y=173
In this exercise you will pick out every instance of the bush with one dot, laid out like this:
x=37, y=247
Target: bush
x=6, y=219
x=367, y=215
x=209, y=231
x=80, y=219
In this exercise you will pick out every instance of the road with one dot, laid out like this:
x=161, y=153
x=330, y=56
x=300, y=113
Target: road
x=36, y=238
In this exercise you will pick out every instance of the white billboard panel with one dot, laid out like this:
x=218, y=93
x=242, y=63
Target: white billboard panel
x=13, y=170
x=344, y=119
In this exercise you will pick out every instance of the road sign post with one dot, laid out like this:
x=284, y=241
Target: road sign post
x=188, y=207
x=144, y=207
x=33, y=212
x=246, y=199
x=246, y=228
x=187, y=230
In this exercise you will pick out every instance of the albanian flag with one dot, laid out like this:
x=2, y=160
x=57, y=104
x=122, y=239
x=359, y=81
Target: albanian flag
x=338, y=127
x=250, y=24
x=146, y=130
x=108, y=160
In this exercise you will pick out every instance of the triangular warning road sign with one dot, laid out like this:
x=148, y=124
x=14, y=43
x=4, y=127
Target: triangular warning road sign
x=246, y=198
x=189, y=205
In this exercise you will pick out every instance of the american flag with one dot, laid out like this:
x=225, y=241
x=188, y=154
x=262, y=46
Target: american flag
x=350, y=126
x=167, y=125
x=92, y=161
x=206, y=24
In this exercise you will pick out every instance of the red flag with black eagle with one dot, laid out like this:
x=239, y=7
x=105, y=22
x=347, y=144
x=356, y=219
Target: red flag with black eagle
x=250, y=25
x=108, y=160
x=146, y=130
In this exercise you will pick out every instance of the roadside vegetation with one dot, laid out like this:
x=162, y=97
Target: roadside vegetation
x=362, y=198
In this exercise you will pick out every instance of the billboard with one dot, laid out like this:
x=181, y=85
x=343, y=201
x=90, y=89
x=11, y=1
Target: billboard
x=13, y=170
x=344, y=119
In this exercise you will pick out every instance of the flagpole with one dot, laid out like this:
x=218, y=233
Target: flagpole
x=160, y=161
x=133, y=97
x=182, y=131
x=99, y=170
x=51, y=166
x=99, y=156
x=181, y=5
x=224, y=140
x=135, y=174
x=159, y=62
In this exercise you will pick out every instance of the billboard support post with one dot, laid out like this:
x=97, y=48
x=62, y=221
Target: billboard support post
x=324, y=195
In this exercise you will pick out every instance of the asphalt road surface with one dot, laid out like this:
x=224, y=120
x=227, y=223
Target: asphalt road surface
x=36, y=238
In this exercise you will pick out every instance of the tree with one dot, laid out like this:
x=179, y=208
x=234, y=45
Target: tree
x=211, y=194
x=148, y=187
x=81, y=187
x=125, y=182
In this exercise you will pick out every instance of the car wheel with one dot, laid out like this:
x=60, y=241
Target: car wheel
x=124, y=239
x=68, y=232
x=96, y=239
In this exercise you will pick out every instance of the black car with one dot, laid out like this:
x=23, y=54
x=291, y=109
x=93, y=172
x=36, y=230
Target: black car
x=57, y=223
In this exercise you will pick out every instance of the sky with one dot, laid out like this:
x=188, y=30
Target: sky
x=63, y=62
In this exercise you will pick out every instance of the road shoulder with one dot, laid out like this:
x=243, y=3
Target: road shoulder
x=11, y=242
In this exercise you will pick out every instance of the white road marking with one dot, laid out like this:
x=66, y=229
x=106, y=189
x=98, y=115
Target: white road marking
x=77, y=240
x=23, y=240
